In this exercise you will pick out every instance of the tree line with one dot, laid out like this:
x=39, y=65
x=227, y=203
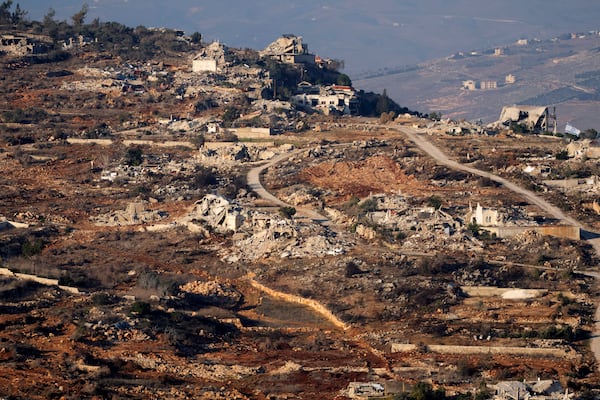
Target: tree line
x=138, y=43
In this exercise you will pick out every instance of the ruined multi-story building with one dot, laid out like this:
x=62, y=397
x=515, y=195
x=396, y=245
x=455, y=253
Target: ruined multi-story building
x=289, y=49
x=326, y=99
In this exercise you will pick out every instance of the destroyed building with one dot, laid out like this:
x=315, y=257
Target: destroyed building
x=511, y=222
x=20, y=45
x=326, y=99
x=211, y=58
x=584, y=148
x=219, y=213
x=289, y=49
x=484, y=216
x=135, y=213
x=532, y=390
x=365, y=390
x=534, y=118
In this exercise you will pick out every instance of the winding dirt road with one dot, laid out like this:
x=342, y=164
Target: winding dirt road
x=253, y=179
x=441, y=158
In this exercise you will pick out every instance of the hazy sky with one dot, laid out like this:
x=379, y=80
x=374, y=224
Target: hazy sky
x=368, y=35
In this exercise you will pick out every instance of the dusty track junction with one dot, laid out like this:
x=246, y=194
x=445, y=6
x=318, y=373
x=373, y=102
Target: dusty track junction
x=166, y=276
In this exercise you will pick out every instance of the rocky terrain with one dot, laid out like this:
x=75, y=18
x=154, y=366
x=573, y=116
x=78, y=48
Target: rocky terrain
x=139, y=261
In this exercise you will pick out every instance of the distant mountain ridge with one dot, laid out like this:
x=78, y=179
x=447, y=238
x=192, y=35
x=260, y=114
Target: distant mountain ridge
x=367, y=35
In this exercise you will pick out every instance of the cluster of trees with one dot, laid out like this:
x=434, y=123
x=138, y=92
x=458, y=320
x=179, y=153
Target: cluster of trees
x=375, y=104
x=24, y=116
x=15, y=17
x=134, y=43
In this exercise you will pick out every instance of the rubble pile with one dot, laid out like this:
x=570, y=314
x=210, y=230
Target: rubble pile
x=287, y=239
x=212, y=292
x=432, y=241
x=230, y=152
x=205, y=370
x=135, y=213
x=218, y=213
x=300, y=196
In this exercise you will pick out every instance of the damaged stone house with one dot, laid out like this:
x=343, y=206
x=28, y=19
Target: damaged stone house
x=335, y=99
x=511, y=222
x=395, y=213
x=534, y=118
x=19, y=45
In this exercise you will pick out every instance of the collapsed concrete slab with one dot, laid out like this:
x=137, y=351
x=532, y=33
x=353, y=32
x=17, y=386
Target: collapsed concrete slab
x=135, y=213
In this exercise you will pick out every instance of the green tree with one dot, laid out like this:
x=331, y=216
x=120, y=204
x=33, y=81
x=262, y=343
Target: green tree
x=424, y=391
x=196, y=37
x=31, y=248
x=588, y=134
x=519, y=128
x=369, y=205
x=19, y=15
x=134, y=156
x=344, y=80
x=230, y=115
x=474, y=228
x=383, y=103
x=562, y=155
x=5, y=15
x=141, y=308
x=435, y=202
x=287, y=212
x=79, y=17
x=49, y=23
x=435, y=116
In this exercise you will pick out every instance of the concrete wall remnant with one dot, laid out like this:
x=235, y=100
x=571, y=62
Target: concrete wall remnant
x=210, y=59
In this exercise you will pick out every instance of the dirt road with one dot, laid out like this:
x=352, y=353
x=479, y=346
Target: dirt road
x=254, y=183
x=531, y=197
x=443, y=159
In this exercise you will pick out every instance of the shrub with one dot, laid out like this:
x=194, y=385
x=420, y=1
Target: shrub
x=287, y=212
x=102, y=299
x=562, y=155
x=424, y=391
x=203, y=177
x=134, y=156
x=31, y=248
x=435, y=202
x=369, y=205
x=141, y=308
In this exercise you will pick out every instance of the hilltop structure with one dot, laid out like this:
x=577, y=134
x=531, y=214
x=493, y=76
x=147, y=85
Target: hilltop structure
x=289, y=49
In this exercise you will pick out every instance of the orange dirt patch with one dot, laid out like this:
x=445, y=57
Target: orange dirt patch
x=378, y=174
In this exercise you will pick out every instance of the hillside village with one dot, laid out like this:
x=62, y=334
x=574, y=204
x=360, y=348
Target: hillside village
x=181, y=219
